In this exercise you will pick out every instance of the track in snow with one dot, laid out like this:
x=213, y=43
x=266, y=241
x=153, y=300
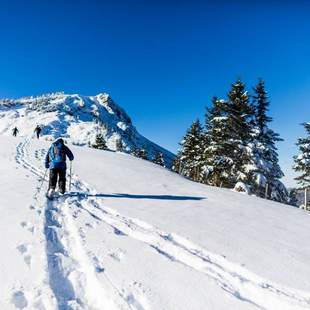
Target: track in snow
x=63, y=245
x=231, y=277
x=71, y=273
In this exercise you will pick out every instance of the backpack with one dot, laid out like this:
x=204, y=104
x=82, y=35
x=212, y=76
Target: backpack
x=57, y=153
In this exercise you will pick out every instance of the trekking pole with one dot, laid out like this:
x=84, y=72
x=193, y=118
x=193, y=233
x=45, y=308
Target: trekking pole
x=70, y=176
x=39, y=190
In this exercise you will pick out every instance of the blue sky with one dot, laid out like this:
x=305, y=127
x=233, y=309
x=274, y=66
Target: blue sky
x=162, y=60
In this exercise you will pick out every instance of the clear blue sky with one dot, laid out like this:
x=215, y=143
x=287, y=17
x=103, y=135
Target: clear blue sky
x=162, y=60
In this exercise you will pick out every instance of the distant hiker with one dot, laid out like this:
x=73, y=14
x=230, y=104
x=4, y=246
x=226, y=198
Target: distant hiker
x=56, y=161
x=15, y=131
x=38, y=131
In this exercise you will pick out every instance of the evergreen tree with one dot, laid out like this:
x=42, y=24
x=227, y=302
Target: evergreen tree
x=176, y=164
x=159, y=159
x=135, y=152
x=191, y=152
x=239, y=126
x=100, y=142
x=265, y=171
x=217, y=164
x=302, y=161
x=119, y=145
x=293, y=200
x=236, y=145
x=140, y=153
x=261, y=105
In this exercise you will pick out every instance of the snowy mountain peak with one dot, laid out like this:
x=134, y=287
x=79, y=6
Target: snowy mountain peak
x=78, y=119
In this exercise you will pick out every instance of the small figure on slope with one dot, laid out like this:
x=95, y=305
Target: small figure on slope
x=56, y=161
x=38, y=131
x=15, y=131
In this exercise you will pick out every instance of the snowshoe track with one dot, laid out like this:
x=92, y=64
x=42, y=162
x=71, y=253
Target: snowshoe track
x=71, y=274
x=63, y=244
x=231, y=277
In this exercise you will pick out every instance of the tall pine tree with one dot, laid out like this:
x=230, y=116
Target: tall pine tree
x=190, y=155
x=236, y=145
x=265, y=170
x=176, y=163
x=119, y=145
x=293, y=199
x=217, y=168
x=239, y=124
x=302, y=161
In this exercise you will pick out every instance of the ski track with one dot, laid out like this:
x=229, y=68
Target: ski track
x=73, y=284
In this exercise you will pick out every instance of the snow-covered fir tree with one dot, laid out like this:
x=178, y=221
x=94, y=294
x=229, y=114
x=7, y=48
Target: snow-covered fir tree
x=293, y=199
x=140, y=153
x=239, y=126
x=135, y=152
x=143, y=154
x=176, y=164
x=100, y=142
x=236, y=146
x=217, y=164
x=302, y=160
x=159, y=159
x=191, y=152
x=119, y=145
x=265, y=172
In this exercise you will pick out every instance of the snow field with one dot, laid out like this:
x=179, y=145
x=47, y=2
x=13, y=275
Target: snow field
x=99, y=250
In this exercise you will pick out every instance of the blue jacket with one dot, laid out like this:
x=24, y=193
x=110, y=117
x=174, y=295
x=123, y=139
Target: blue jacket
x=56, y=155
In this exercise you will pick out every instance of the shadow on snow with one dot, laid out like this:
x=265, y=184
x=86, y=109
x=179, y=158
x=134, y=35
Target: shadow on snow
x=136, y=196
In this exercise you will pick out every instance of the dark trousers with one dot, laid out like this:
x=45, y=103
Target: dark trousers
x=60, y=175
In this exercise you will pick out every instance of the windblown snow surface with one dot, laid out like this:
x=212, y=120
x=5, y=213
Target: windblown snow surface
x=133, y=235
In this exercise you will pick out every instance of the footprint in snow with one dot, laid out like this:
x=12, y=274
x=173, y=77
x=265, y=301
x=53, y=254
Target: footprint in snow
x=117, y=255
x=23, y=249
x=82, y=235
x=27, y=226
x=90, y=225
x=136, y=297
x=118, y=232
x=98, y=264
x=134, y=302
x=19, y=300
x=27, y=260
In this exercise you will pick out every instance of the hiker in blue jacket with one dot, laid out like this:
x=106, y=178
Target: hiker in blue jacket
x=55, y=160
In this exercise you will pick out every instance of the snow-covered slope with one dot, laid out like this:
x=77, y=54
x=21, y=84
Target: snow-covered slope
x=76, y=118
x=123, y=240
